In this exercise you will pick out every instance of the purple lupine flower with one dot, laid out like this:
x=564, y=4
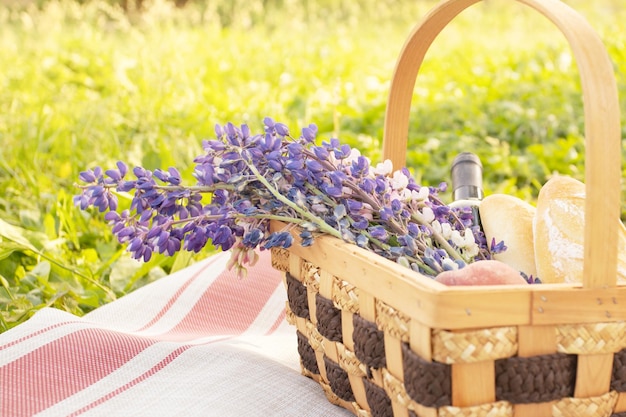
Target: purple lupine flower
x=87, y=176
x=379, y=233
x=253, y=238
x=497, y=247
x=309, y=133
x=250, y=177
x=281, y=129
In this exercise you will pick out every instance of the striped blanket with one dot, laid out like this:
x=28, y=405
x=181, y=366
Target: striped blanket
x=199, y=342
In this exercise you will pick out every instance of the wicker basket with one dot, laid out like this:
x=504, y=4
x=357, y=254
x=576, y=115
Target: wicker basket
x=382, y=340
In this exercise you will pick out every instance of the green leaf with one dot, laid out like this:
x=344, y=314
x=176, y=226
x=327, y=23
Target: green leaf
x=30, y=218
x=7, y=248
x=5, y=283
x=42, y=271
x=183, y=259
x=90, y=255
x=151, y=160
x=16, y=234
x=90, y=299
x=123, y=272
x=50, y=226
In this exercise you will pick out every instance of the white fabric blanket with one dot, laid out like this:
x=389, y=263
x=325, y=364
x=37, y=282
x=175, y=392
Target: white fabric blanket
x=199, y=342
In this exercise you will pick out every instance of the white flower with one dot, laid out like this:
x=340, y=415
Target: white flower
x=469, y=238
x=446, y=230
x=465, y=242
x=471, y=247
x=354, y=155
x=457, y=239
x=449, y=265
x=402, y=195
x=384, y=168
x=471, y=251
x=402, y=260
x=437, y=227
x=399, y=181
x=428, y=214
x=421, y=195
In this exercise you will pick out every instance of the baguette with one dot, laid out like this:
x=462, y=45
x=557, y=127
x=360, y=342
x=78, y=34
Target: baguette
x=559, y=232
x=510, y=219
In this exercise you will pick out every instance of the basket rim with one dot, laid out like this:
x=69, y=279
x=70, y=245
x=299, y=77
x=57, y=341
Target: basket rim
x=459, y=307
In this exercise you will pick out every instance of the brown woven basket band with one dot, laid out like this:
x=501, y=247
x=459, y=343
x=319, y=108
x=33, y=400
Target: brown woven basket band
x=427, y=383
x=535, y=379
x=330, y=395
x=474, y=346
x=297, y=297
x=378, y=400
x=338, y=380
x=307, y=354
x=618, y=378
x=328, y=319
x=369, y=345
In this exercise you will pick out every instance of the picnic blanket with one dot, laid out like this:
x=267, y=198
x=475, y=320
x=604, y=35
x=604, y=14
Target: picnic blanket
x=200, y=342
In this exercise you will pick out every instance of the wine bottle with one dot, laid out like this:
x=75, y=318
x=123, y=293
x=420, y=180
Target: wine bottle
x=467, y=183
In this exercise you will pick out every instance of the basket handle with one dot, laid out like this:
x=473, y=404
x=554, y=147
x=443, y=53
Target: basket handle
x=601, y=111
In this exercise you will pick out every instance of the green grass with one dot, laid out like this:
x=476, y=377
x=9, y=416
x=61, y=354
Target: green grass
x=86, y=85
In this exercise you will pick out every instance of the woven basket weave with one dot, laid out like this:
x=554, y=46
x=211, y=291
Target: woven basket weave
x=382, y=340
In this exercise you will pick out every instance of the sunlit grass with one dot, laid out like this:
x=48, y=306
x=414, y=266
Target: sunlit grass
x=88, y=85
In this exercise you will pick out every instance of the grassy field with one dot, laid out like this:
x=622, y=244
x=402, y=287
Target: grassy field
x=86, y=85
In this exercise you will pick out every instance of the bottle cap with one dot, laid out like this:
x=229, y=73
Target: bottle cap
x=467, y=177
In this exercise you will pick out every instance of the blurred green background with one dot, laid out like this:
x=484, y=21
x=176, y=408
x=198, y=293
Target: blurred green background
x=89, y=83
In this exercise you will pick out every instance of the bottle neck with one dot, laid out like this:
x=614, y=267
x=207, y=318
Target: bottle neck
x=468, y=192
x=467, y=177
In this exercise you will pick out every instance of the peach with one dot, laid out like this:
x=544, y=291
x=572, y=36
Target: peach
x=488, y=272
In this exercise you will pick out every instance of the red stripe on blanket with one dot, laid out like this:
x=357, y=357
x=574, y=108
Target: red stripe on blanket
x=178, y=293
x=229, y=305
x=279, y=320
x=63, y=367
x=156, y=368
x=37, y=333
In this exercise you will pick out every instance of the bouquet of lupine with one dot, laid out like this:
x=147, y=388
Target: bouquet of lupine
x=245, y=180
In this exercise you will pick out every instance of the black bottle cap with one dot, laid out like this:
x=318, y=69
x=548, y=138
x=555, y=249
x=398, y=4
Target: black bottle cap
x=467, y=177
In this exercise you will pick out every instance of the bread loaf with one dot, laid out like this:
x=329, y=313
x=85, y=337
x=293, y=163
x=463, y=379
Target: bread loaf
x=510, y=219
x=559, y=232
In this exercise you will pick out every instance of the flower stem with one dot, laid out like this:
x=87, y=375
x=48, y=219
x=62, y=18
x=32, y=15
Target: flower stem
x=324, y=227
x=438, y=237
